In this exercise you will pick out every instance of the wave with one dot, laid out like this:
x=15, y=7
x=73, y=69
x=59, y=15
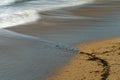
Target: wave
x=8, y=18
x=6, y=2
x=26, y=11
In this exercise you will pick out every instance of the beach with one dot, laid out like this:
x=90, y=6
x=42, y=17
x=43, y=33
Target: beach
x=78, y=20
x=98, y=60
x=72, y=43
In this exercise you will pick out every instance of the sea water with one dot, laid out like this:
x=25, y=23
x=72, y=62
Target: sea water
x=26, y=57
x=16, y=12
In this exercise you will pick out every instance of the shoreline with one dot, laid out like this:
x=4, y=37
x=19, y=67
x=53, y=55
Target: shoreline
x=66, y=30
x=52, y=26
x=92, y=64
x=97, y=60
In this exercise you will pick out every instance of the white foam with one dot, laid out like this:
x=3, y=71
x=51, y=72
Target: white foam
x=6, y=2
x=9, y=18
x=28, y=12
x=56, y=5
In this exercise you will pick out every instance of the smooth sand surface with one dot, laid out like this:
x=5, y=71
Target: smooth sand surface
x=97, y=60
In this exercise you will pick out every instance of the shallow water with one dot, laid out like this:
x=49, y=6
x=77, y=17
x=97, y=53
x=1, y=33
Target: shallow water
x=16, y=12
x=33, y=57
x=28, y=58
x=25, y=57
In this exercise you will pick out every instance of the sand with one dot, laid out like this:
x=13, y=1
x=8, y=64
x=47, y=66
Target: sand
x=98, y=60
x=95, y=60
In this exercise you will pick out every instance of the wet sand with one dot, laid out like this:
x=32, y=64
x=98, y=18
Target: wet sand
x=97, y=60
x=69, y=27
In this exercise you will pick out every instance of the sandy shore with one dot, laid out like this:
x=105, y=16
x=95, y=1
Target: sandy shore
x=97, y=60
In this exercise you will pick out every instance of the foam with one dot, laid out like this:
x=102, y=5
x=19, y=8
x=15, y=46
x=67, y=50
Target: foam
x=29, y=10
x=6, y=2
x=10, y=18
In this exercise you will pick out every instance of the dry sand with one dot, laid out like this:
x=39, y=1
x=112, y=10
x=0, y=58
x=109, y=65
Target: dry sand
x=98, y=60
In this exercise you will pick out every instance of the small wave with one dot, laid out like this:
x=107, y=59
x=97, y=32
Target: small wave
x=6, y=2
x=13, y=18
x=13, y=15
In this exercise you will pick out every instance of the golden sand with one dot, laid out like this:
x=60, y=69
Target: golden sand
x=98, y=60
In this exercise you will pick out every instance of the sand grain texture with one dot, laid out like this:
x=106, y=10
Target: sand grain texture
x=104, y=65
